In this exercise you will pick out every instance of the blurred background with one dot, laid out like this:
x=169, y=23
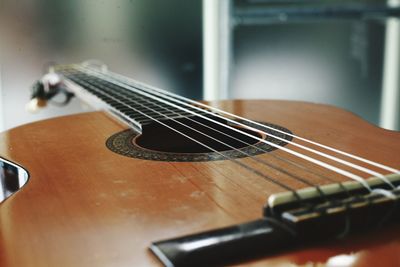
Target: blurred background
x=343, y=53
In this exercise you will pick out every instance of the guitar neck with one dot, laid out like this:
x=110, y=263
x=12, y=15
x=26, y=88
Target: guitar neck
x=134, y=104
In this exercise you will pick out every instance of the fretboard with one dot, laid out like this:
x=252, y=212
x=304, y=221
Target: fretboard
x=125, y=99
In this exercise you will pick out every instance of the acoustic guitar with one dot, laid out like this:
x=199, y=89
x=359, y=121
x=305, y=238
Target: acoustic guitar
x=157, y=179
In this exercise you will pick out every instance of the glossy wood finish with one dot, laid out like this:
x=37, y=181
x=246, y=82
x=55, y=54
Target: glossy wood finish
x=87, y=206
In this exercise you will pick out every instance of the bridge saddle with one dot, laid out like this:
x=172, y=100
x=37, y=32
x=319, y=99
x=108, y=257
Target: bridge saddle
x=337, y=208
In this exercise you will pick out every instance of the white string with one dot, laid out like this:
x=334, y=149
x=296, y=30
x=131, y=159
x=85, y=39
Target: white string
x=263, y=162
x=136, y=83
x=193, y=139
x=246, y=143
x=363, y=169
x=315, y=161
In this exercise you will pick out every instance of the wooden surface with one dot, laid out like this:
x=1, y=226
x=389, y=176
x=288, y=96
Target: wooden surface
x=87, y=206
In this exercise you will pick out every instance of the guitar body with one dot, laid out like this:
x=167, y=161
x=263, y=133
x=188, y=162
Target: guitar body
x=85, y=205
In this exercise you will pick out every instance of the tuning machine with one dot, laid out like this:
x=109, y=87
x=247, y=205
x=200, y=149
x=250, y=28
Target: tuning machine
x=45, y=90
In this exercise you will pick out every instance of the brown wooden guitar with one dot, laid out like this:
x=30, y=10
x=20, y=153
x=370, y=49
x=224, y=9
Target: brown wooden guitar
x=101, y=193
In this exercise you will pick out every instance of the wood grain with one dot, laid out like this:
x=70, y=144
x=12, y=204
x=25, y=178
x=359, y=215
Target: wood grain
x=87, y=206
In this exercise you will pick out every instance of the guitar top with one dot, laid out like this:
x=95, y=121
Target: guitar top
x=99, y=194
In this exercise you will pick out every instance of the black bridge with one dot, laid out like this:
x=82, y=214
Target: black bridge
x=290, y=218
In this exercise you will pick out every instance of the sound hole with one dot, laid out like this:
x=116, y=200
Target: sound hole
x=158, y=142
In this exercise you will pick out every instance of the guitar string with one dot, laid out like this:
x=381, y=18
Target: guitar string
x=360, y=168
x=200, y=143
x=315, y=161
x=363, y=169
x=381, y=191
x=126, y=94
x=263, y=162
x=294, y=176
x=288, y=161
x=148, y=87
x=378, y=191
x=319, y=190
x=376, y=174
x=321, y=193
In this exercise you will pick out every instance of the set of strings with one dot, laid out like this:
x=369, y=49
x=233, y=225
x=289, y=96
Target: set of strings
x=188, y=106
x=350, y=175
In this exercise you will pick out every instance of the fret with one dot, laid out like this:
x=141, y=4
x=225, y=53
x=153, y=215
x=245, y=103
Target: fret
x=129, y=103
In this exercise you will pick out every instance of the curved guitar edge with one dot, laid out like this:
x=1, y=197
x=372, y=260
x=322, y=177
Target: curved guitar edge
x=12, y=178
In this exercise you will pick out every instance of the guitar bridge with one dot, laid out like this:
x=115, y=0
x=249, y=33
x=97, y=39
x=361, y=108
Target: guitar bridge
x=335, y=203
x=290, y=218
